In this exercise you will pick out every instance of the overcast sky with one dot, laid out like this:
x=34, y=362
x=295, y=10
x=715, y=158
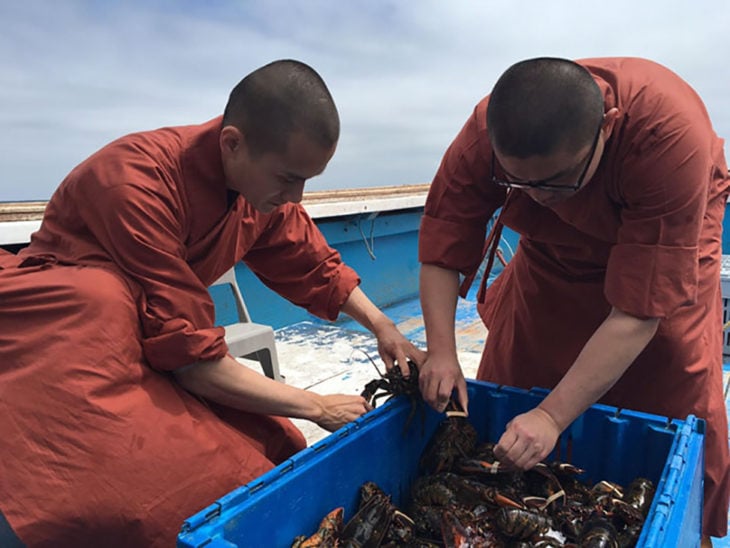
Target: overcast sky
x=405, y=75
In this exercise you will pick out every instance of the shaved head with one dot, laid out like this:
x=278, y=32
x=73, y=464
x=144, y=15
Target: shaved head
x=540, y=105
x=279, y=99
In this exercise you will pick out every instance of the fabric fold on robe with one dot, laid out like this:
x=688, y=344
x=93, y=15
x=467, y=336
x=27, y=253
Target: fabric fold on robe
x=100, y=445
x=644, y=236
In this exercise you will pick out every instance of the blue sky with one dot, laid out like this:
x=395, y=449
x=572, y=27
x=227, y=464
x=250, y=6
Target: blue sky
x=405, y=75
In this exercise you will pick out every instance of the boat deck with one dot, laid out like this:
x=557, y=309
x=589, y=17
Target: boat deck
x=334, y=358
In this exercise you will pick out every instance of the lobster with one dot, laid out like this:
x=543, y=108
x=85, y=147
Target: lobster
x=392, y=384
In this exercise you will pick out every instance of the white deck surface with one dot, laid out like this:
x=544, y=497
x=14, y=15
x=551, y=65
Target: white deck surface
x=339, y=366
x=330, y=359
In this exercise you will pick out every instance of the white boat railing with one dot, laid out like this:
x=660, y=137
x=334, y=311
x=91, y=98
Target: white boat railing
x=18, y=220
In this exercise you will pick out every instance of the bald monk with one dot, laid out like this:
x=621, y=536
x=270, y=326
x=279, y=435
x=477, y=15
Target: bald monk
x=610, y=171
x=121, y=412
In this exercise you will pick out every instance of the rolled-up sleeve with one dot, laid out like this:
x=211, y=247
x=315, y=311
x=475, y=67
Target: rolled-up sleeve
x=292, y=258
x=141, y=229
x=653, y=268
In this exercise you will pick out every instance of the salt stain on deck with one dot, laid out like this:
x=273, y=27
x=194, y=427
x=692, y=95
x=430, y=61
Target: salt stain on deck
x=329, y=359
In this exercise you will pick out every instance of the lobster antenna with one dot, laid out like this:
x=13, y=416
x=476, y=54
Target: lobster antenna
x=369, y=358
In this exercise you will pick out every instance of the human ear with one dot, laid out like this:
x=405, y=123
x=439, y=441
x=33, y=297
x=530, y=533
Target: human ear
x=609, y=121
x=231, y=139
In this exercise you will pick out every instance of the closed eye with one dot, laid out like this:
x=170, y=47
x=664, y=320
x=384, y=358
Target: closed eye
x=291, y=179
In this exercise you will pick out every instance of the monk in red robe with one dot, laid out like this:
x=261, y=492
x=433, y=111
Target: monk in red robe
x=121, y=413
x=610, y=171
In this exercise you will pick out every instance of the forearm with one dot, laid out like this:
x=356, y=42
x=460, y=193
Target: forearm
x=360, y=308
x=230, y=383
x=604, y=359
x=439, y=293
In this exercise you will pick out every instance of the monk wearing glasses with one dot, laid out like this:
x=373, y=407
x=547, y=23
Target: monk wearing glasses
x=610, y=171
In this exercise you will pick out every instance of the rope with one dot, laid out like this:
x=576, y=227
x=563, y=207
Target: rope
x=369, y=246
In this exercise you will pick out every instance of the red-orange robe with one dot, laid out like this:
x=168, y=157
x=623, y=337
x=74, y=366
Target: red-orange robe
x=643, y=236
x=100, y=447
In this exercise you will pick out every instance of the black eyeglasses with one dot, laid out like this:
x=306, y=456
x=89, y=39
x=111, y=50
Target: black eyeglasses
x=546, y=185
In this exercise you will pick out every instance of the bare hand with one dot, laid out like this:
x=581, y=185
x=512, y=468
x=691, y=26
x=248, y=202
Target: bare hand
x=394, y=348
x=528, y=439
x=438, y=377
x=339, y=409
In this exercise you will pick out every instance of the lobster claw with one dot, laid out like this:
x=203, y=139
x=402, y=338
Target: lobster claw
x=456, y=534
x=455, y=438
x=598, y=531
x=367, y=528
x=453, y=531
x=518, y=523
x=327, y=534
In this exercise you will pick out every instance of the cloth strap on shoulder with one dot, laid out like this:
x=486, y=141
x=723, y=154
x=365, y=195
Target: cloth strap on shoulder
x=491, y=244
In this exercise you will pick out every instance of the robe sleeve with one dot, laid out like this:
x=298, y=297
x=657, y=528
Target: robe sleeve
x=292, y=258
x=653, y=268
x=141, y=228
x=460, y=201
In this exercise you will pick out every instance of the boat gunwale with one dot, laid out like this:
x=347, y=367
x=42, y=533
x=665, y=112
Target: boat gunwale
x=18, y=220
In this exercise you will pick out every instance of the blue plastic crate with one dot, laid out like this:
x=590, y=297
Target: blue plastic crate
x=610, y=444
